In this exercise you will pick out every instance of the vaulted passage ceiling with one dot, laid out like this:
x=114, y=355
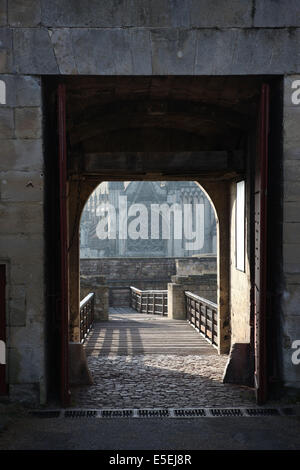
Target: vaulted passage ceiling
x=107, y=114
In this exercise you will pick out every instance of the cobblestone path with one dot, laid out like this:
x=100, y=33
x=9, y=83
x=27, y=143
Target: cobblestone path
x=148, y=361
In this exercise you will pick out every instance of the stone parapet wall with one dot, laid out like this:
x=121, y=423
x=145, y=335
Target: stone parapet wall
x=142, y=273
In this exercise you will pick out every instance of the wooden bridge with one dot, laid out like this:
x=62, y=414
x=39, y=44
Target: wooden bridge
x=128, y=332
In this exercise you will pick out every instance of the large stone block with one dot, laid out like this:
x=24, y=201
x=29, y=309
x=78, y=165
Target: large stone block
x=62, y=42
x=6, y=123
x=22, y=13
x=276, y=14
x=28, y=122
x=21, y=155
x=97, y=51
x=173, y=51
x=21, y=186
x=22, y=90
x=291, y=191
x=22, y=218
x=291, y=299
x=291, y=170
x=80, y=13
x=30, y=337
x=78, y=367
x=146, y=13
x=290, y=333
x=25, y=366
x=291, y=252
x=176, y=302
x=288, y=90
x=241, y=51
x=24, y=393
x=240, y=365
x=291, y=212
x=291, y=123
x=222, y=14
x=291, y=232
x=22, y=248
x=34, y=52
x=6, y=60
x=3, y=12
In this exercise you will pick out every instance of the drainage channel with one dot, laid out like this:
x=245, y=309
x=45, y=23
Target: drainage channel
x=166, y=413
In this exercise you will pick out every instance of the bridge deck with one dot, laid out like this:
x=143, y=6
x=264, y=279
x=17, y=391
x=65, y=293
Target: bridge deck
x=129, y=332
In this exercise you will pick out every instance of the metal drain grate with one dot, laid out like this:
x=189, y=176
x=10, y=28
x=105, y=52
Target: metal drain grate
x=117, y=413
x=162, y=413
x=81, y=414
x=263, y=411
x=189, y=413
x=226, y=412
x=166, y=412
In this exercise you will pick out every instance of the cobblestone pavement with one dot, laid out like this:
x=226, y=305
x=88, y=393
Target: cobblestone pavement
x=139, y=360
x=159, y=381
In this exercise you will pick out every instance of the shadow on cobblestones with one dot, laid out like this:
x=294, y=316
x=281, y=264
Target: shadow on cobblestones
x=159, y=381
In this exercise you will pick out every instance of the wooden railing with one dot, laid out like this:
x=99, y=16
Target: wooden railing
x=87, y=306
x=149, y=301
x=203, y=315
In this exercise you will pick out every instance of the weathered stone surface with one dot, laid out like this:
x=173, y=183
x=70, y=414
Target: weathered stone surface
x=80, y=13
x=22, y=13
x=288, y=90
x=22, y=155
x=291, y=191
x=79, y=373
x=173, y=52
x=24, y=368
x=6, y=123
x=100, y=47
x=291, y=257
x=240, y=366
x=241, y=52
x=28, y=91
x=291, y=298
x=34, y=52
x=24, y=393
x=28, y=122
x=21, y=186
x=268, y=13
x=291, y=212
x=63, y=48
x=176, y=302
x=145, y=13
x=291, y=121
x=157, y=380
x=21, y=218
x=6, y=63
x=22, y=90
x=22, y=247
x=3, y=12
x=237, y=14
x=291, y=232
x=290, y=333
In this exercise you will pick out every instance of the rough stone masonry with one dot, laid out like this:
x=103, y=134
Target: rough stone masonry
x=158, y=37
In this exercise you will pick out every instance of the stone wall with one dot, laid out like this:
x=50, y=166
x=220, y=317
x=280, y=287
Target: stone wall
x=290, y=313
x=121, y=273
x=22, y=230
x=142, y=273
x=158, y=37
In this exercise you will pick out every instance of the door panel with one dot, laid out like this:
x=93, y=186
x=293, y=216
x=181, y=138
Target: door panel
x=260, y=242
x=64, y=304
x=3, y=386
